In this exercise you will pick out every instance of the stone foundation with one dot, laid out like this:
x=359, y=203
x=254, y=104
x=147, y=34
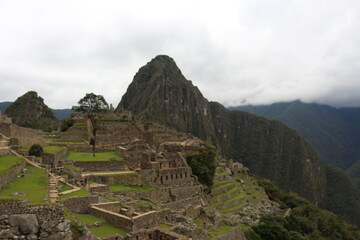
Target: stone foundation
x=18, y=221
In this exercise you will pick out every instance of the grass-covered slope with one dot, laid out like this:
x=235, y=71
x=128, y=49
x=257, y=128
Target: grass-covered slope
x=333, y=132
x=34, y=185
x=302, y=220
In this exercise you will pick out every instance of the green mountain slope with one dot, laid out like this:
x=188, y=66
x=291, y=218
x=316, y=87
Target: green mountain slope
x=30, y=111
x=333, y=132
x=160, y=92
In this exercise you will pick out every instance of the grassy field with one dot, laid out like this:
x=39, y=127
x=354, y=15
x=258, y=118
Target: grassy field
x=53, y=149
x=34, y=185
x=105, y=230
x=79, y=193
x=138, y=188
x=64, y=187
x=7, y=162
x=88, y=156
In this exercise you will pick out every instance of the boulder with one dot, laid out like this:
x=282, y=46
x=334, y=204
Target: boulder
x=26, y=223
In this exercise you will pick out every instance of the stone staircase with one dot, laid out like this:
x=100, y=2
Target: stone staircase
x=53, y=188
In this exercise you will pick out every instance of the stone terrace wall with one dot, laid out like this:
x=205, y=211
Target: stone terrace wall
x=155, y=233
x=151, y=219
x=7, y=177
x=81, y=204
x=49, y=158
x=100, y=166
x=47, y=221
x=27, y=137
x=182, y=204
x=115, y=219
x=126, y=179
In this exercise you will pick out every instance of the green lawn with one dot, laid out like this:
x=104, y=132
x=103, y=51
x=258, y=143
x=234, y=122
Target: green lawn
x=34, y=185
x=107, y=230
x=7, y=162
x=88, y=156
x=79, y=193
x=104, y=230
x=138, y=188
x=64, y=187
x=53, y=149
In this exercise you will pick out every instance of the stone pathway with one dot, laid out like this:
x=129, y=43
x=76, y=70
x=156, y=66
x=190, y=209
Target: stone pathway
x=53, y=188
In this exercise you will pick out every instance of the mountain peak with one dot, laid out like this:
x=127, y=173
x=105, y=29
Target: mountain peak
x=29, y=110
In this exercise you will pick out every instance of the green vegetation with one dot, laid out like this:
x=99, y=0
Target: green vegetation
x=53, y=149
x=107, y=230
x=98, y=226
x=64, y=187
x=72, y=167
x=78, y=193
x=34, y=185
x=221, y=230
x=88, y=156
x=138, y=188
x=7, y=162
x=67, y=123
x=36, y=150
x=30, y=111
x=203, y=165
x=306, y=221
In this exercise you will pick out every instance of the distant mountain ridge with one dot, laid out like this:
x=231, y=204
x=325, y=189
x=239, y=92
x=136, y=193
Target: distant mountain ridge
x=159, y=92
x=333, y=132
x=59, y=113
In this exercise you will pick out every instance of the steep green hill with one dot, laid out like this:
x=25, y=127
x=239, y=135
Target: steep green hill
x=333, y=132
x=160, y=92
x=30, y=111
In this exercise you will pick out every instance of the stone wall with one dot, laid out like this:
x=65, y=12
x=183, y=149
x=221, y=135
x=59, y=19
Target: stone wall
x=111, y=213
x=126, y=179
x=27, y=137
x=7, y=177
x=115, y=219
x=18, y=221
x=49, y=158
x=101, y=166
x=81, y=204
x=182, y=204
x=155, y=233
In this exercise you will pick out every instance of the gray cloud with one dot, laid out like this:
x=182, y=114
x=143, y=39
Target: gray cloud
x=238, y=52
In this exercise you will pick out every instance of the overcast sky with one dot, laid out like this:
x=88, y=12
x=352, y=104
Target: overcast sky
x=236, y=52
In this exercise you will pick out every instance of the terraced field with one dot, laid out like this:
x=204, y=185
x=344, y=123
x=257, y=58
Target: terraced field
x=233, y=193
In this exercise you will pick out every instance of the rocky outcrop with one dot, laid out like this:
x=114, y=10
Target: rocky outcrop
x=30, y=111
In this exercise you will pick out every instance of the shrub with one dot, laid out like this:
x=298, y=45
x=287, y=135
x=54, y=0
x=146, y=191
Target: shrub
x=66, y=124
x=36, y=150
x=203, y=165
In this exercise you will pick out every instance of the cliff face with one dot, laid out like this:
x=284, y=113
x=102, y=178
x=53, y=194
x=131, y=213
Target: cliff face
x=30, y=111
x=159, y=92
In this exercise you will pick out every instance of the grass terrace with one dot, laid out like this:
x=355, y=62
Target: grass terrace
x=7, y=162
x=53, y=149
x=34, y=185
x=88, y=156
x=79, y=193
x=138, y=188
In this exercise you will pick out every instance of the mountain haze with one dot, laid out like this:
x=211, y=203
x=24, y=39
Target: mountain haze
x=333, y=132
x=159, y=92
